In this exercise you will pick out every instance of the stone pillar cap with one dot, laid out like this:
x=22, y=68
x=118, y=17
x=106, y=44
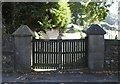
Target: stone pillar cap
x=23, y=30
x=95, y=29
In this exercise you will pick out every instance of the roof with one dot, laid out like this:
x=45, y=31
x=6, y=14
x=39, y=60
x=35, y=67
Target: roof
x=23, y=30
x=95, y=29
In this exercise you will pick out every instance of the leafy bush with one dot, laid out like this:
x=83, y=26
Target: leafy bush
x=56, y=17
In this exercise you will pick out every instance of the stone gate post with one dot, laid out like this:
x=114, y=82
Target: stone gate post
x=95, y=47
x=22, y=39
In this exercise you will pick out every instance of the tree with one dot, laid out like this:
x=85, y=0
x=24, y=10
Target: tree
x=51, y=14
x=7, y=16
x=90, y=11
x=17, y=13
x=56, y=17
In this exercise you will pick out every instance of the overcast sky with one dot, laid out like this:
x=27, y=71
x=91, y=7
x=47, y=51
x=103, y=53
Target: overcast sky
x=114, y=8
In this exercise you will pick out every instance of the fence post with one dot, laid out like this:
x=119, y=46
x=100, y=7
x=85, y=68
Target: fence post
x=22, y=39
x=95, y=47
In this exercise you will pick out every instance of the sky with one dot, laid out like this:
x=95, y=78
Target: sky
x=113, y=11
x=114, y=8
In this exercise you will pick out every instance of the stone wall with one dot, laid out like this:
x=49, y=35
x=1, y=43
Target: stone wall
x=16, y=54
x=112, y=53
x=7, y=54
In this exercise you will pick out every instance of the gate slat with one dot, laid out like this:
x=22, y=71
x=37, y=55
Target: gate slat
x=54, y=54
x=45, y=54
x=33, y=53
x=36, y=53
x=46, y=43
x=69, y=54
x=84, y=52
x=74, y=53
x=81, y=57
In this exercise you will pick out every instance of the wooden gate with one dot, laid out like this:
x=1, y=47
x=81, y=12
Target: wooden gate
x=59, y=54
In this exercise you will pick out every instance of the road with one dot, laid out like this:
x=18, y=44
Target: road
x=58, y=78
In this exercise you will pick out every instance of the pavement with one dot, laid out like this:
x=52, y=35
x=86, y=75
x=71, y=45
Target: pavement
x=55, y=78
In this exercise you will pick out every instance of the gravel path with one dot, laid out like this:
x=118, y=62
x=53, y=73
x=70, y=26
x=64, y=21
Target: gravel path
x=59, y=77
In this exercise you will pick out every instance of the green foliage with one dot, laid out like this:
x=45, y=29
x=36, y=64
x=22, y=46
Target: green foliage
x=53, y=15
x=91, y=11
x=29, y=13
x=50, y=14
x=17, y=13
x=56, y=17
